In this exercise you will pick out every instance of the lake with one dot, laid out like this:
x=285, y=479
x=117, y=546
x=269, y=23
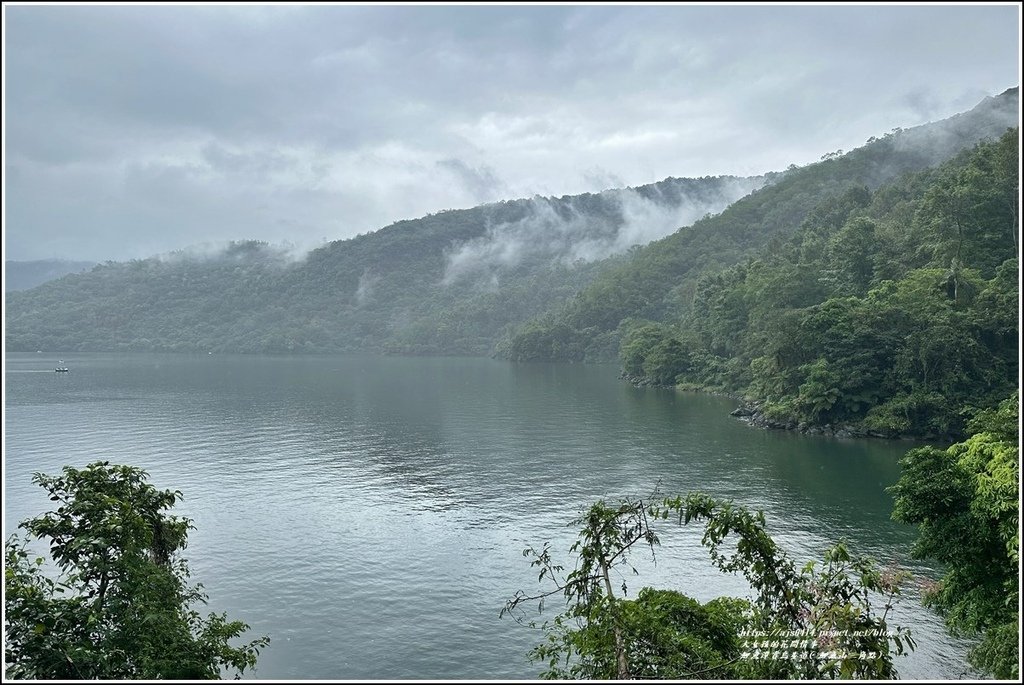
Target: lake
x=369, y=513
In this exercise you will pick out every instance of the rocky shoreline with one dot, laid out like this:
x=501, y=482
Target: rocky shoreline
x=752, y=412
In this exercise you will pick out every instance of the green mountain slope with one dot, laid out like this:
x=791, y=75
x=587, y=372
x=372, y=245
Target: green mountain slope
x=660, y=280
x=457, y=282
x=889, y=312
x=448, y=283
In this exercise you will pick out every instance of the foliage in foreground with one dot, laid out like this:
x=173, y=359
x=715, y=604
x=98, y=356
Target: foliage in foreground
x=122, y=606
x=809, y=622
x=966, y=502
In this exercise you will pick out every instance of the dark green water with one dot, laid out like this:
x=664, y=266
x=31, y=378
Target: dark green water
x=369, y=513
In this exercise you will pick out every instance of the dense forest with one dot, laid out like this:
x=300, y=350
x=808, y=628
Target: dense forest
x=889, y=311
x=850, y=306
x=660, y=281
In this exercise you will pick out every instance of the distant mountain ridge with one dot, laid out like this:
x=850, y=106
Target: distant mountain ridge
x=450, y=282
x=460, y=281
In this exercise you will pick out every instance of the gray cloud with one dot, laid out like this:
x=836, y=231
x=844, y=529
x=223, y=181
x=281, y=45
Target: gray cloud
x=481, y=182
x=137, y=130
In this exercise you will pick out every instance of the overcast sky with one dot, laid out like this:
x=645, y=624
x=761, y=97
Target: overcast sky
x=140, y=130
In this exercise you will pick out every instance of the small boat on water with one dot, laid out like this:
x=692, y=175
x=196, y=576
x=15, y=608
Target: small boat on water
x=61, y=368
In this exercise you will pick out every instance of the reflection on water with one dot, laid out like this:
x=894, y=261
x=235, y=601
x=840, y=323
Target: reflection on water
x=369, y=513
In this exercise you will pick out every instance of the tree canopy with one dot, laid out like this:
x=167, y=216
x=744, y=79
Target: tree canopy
x=121, y=605
x=888, y=312
x=965, y=501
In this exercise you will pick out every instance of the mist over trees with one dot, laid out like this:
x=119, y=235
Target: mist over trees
x=475, y=281
x=889, y=311
x=448, y=283
x=660, y=280
x=881, y=309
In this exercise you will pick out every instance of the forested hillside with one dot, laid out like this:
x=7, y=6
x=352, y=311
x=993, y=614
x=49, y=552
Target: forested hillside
x=660, y=281
x=448, y=283
x=575, y=269
x=888, y=311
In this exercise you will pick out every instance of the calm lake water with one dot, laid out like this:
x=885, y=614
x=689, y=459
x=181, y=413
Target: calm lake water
x=369, y=514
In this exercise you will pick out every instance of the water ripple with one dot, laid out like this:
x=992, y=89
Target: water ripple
x=370, y=514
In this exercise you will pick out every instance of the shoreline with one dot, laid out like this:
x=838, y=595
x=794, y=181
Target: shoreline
x=751, y=413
